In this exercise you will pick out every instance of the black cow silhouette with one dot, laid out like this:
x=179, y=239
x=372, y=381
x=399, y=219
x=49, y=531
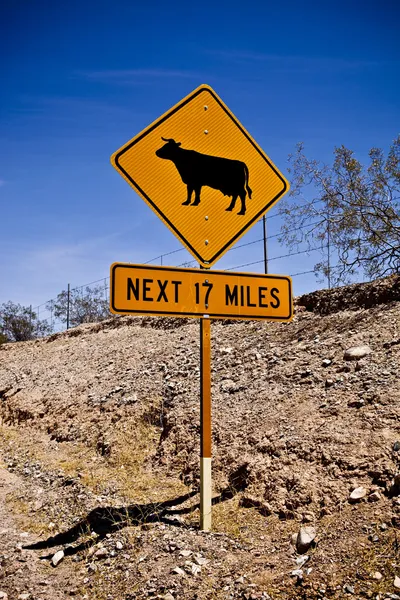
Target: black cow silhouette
x=231, y=177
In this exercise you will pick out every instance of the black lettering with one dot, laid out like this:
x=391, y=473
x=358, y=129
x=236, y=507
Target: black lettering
x=133, y=288
x=162, y=293
x=231, y=297
x=146, y=288
x=197, y=288
x=261, y=297
x=209, y=287
x=241, y=296
x=176, y=284
x=248, y=297
x=275, y=297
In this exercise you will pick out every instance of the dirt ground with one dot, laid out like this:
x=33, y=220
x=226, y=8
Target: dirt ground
x=99, y=444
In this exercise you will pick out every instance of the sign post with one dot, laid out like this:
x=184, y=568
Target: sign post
x=205, y=294
x=208, y=180
x=205, y=424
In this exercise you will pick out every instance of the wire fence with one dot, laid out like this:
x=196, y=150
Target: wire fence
x=48, y=311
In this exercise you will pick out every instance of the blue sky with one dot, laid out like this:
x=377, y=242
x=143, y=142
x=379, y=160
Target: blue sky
x=79, y=79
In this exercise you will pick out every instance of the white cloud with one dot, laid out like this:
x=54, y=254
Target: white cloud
x=37, y=273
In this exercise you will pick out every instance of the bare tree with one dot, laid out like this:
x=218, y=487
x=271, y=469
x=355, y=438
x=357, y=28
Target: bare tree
x=85, y=306
x=351, y=210
x=20, y=323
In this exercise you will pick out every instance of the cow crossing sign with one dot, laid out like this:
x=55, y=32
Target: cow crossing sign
x=202, y=173
x=208, y=180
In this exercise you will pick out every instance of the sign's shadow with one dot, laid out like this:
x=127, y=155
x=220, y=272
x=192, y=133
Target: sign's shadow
x=109, y=519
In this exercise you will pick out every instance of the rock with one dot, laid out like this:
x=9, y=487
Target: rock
x=356, y=403
x=358, y=494
x=178, y=571
x=57, y=558
x=101, y=553
x=396, y=582
x=356, y=352
x=195, y=569
x=119, y=545
x=326, y=362
x=396, y=446
x=3, y=596
x=395, y=488
x=185, y=553
x=168, y=597
x=305, y=538
x=374, y=497
x=226, y=350
x=329, y=383
x=24, y=596
x=308, y=518
x=348, y=589
x=306, y=373
x=249, y=501
x=297, y=573
x=201, y=560
x=378, y=576
x=228, y=385
x=301, y=560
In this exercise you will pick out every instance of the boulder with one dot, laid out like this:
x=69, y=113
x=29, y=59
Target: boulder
x=356, y=352
x=305, y=539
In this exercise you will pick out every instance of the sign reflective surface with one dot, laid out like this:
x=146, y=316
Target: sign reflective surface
x=202, y=173
x=147, y=290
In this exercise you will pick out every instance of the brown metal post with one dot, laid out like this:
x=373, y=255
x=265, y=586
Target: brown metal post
x=205, y=424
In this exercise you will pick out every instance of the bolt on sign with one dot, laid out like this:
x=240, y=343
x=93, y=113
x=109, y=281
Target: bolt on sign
x=166, y=291
x=202, y=173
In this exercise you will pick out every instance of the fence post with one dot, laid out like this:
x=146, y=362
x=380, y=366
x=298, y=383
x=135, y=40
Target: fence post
x=68, y=297
x=265, y=245
x=329, y=252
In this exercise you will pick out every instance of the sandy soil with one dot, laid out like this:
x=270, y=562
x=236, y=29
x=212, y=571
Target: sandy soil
x=99, y=445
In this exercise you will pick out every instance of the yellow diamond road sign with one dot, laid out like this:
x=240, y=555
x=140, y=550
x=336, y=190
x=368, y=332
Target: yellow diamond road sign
x=202, y=173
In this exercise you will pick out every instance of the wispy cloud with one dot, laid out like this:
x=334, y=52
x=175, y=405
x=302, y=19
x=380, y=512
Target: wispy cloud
x=294, y=62
x=38, y=273
x=131, y=76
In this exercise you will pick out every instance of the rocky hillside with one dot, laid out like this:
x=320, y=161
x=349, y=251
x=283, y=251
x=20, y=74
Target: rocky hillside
x=100, y=433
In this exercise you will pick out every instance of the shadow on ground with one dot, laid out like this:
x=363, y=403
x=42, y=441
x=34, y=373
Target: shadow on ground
x=108, y=519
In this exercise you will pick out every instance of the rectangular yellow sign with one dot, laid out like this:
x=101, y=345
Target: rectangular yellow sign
x=170, y=291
